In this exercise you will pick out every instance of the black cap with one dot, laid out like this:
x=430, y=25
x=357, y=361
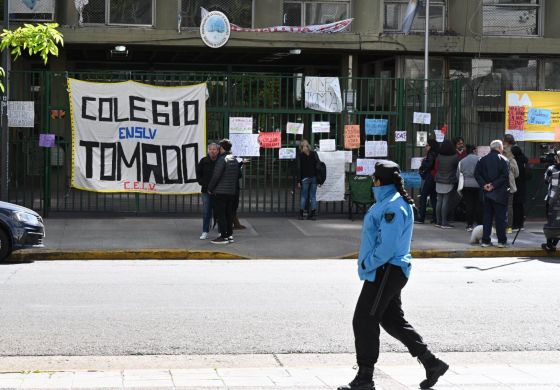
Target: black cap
x=385, y=171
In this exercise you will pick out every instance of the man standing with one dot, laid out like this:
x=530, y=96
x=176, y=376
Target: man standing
x=224, y=185
x=204, y=171
x=492, y=175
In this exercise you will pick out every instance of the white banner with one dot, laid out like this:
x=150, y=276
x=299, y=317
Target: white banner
x=133, y=137
x=32, y=7
x=323, y=94
x=333, y=188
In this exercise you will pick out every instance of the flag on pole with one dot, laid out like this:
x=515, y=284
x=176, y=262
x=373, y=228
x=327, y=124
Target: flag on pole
x=411, y=11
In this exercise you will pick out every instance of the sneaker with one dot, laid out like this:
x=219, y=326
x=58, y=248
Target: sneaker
x=469, y=228
x=447, y=226
x=486, y=244
x=220, y=241
x=503, y=245
x=230, y=239
x=509, y=231
x=437, y=225
x=204, y=236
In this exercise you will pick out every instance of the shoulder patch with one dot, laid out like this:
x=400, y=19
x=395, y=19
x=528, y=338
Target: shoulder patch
x=389, y=217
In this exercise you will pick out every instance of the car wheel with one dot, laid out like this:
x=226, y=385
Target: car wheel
x=5, y=245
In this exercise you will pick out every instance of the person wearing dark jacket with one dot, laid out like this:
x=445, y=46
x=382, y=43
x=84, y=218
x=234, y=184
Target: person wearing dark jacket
x=492, y=175
x=204, y=171
x=446, y=178
x=428, y=173
x=307, y=179
x=519, y=197
x=223, y=186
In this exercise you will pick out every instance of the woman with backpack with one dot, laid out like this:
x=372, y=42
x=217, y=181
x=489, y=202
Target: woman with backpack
x=446, y=178
x=307, y=179
x=428, y=172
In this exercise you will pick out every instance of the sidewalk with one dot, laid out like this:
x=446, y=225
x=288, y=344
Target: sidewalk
x=394, y=371
x=264, y=238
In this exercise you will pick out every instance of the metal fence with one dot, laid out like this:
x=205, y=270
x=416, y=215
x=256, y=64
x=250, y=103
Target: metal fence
x=40, y=177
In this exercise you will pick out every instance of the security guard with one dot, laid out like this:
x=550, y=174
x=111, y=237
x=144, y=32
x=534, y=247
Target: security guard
x=384, y=266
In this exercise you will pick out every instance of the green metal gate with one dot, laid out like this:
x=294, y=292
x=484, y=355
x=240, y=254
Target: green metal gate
x=40, y=177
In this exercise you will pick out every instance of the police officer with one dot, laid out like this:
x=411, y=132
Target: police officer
x=384, y=266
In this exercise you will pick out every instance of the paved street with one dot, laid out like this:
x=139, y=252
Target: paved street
x=233, y=307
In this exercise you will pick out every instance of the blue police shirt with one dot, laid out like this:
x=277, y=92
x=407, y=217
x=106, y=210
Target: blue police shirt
x=386, y=233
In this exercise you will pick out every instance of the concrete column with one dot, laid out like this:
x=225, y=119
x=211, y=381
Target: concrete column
x=465, y=17
x=166, y=14
x=368, y=16
x=66, y=13
x=267, y=13
x=550, y=19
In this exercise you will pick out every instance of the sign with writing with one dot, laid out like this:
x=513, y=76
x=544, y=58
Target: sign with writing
x=46, y=140
x=334, y=187
x=245, y=145
x=376, y=126
x=320, y=127
x=323, y=94
x=294, y=128
x=440, y=135
x=21, y=114
x=416, y=162
x=400, y=136
x=327, y=145
x=421, y=138
x=352, y=137
x=287, y=153
x=376, y=149
x=240, y=125
x=134, y=137
x=411, y=179
x=365, y=166
x=533, y=115
x=423, y=118
x=348, y=156
x=270, y=140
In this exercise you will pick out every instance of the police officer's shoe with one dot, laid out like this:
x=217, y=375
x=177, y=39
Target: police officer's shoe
x=434, y=369
x=362, y=381
x=300, y=216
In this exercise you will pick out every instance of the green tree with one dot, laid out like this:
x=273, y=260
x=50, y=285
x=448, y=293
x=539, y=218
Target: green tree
x=42, y=39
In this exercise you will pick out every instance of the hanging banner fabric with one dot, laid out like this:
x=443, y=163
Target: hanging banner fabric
x=323, y=94
x=133, y=137
x=533, y=116
x=31, y=7
x=334, y=27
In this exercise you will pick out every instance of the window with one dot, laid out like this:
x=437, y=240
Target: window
x=27, y=10
x=119, y=12
x=305, y=13
x=395, y=10
x=414, y=68
x=239, y=12
x=552, y=74
x=511, y=17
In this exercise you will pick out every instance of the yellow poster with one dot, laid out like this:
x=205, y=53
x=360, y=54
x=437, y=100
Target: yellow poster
x=533, y=116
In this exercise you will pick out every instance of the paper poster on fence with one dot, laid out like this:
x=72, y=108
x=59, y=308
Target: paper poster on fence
x=348, y=156
x=376, y=149
x=440, y=135
x=376, y=126
x=245, y=145
x=323, y=94
x=133, y=137
x=241, y=125
x=352, y=137
x=327, y=145
x=365, y=166
x=421, y=138
x=294, y=128
x=416, y=162
x=400, y=136
x=482, y=151
x=21, y=113
x=334, y=187
x=423, y=118
x=533, y=115
x=287, y=153
x=320, y=127
x=270, y=140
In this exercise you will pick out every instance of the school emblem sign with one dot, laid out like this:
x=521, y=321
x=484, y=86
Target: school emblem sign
x=215, y=29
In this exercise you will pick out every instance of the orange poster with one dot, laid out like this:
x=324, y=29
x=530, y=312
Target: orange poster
x=270, y=140
x=352, y=137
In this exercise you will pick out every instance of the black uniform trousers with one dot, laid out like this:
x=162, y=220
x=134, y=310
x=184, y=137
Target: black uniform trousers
x=389, y=315
x=224, y=207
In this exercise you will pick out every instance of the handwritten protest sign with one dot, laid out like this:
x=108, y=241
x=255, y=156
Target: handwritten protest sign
x=294, y=128
x=376, y=149
x=21, y=113
x=365, y=166
x=241, y=125
x=376, y=126
x=352, y=137
x=400, y=136
x=320, y=127
x=323, y=94
x=245, y=145
x=423, y=118
x=287, y=153
x=270, y=140
x=415, y=162
x=539, y=116
x=333, y=188
x=327, y=145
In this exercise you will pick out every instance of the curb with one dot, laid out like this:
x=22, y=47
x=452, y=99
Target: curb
x=184, y=254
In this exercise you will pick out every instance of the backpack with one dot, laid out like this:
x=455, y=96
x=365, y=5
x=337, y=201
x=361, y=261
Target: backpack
x=320, y=170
